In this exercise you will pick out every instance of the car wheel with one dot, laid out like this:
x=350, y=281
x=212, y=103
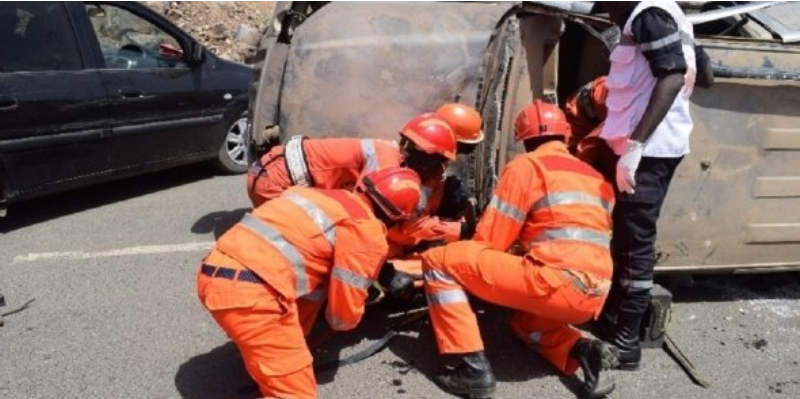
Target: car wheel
x=232, y=156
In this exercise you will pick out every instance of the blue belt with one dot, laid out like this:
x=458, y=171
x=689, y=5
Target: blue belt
x=231, y=274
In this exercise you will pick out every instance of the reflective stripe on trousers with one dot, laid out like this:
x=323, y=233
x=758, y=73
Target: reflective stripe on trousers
x=446, y=297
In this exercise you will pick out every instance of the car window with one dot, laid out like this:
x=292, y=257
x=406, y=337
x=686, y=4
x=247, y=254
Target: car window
x=129, y=41
x=37, y=36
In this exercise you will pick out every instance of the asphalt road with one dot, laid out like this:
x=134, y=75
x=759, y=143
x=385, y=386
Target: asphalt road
x=112, y=272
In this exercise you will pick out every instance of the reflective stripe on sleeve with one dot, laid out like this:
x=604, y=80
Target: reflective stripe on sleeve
x=296, y=162
x=434, y=275
x=663, y=42
x=507, y=210
x=368, y=149
x=350, y=278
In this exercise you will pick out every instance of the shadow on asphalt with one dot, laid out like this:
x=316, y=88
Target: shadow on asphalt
x=216, y=374
x=722, y=288
x=221, y=373
x=54, y=206
x=218, y=222
x=415, y=346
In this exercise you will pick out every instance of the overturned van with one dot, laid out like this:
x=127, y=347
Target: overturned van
x=363, y=69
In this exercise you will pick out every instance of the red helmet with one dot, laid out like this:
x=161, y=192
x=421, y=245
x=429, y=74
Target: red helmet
x=431, y=134
x=541, y=119
x=395, y=189
x=465, y=121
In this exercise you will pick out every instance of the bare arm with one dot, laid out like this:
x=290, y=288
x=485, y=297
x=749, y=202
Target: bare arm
x=667, y=88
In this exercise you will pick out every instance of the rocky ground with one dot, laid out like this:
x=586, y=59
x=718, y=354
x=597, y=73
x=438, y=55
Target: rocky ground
x=231, y=29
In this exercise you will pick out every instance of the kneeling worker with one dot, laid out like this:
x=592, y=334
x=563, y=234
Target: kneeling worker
x=559, y=210
x=264, y=279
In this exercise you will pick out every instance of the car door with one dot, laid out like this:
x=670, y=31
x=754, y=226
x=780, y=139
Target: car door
x=161, y=112
x=733, y=202
x=53, y=107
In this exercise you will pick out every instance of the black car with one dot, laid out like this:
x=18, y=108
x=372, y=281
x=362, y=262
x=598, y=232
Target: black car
x=95, y=91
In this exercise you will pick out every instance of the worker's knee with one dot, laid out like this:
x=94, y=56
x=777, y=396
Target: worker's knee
x=453, y=257
x=299, y=384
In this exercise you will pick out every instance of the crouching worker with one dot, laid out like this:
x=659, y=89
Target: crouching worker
x=268, y=276
x=558, y=209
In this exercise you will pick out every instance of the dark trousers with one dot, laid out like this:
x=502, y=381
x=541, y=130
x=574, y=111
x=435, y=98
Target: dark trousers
x=634, y=237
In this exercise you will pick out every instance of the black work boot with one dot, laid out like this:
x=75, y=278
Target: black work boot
x=472, y=378
x=596, y=359
x=626, y=339
x=604, y=327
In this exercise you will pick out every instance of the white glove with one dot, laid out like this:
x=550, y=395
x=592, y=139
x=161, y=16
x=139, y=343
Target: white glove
x=627, y=165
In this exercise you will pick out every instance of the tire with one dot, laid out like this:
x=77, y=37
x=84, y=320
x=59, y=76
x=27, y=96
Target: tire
x=232, y=154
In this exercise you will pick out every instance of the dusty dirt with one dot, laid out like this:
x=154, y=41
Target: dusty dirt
x=231, y=29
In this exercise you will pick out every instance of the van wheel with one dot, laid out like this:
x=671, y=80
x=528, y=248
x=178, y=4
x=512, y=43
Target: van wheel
x=232, y=155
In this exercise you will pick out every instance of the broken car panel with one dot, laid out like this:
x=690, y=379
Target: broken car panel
x=376, y=64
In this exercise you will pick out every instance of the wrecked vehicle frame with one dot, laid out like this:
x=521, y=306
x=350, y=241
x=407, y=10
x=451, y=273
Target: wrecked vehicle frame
x=345, y=69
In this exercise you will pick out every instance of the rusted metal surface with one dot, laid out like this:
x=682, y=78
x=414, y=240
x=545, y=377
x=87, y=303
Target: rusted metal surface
x=363, y=69
x=732, y=203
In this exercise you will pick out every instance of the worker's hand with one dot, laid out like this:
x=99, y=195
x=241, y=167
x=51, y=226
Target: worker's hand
x=470, y=222
x=397, y=284
x=627, y=165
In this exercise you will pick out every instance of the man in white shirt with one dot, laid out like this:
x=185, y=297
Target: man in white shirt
x=652, y=74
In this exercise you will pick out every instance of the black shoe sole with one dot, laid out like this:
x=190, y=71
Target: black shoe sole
x=475, y=393
x=629, y=366
x=472, y=393
x=605, y=385
x=605, y=382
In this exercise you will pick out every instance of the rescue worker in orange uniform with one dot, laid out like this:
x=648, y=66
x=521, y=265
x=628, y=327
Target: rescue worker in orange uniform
x=267, y=277
x=427, y=145
x=331, y=163
x=558, y=209
x=586, y=111
x=442, y=214
x=438, y=191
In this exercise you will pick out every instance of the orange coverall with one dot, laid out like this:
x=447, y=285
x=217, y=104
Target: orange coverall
x=424, y=227
x=586, y=112
x=268, y=276
x=332, y=163
x=337, y=163
x=559, y=210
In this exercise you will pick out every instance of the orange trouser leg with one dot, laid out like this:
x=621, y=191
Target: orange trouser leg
x=552, y=339
x=267, y=331
x=454, y=323
x=502, y=279
x=308, y=309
